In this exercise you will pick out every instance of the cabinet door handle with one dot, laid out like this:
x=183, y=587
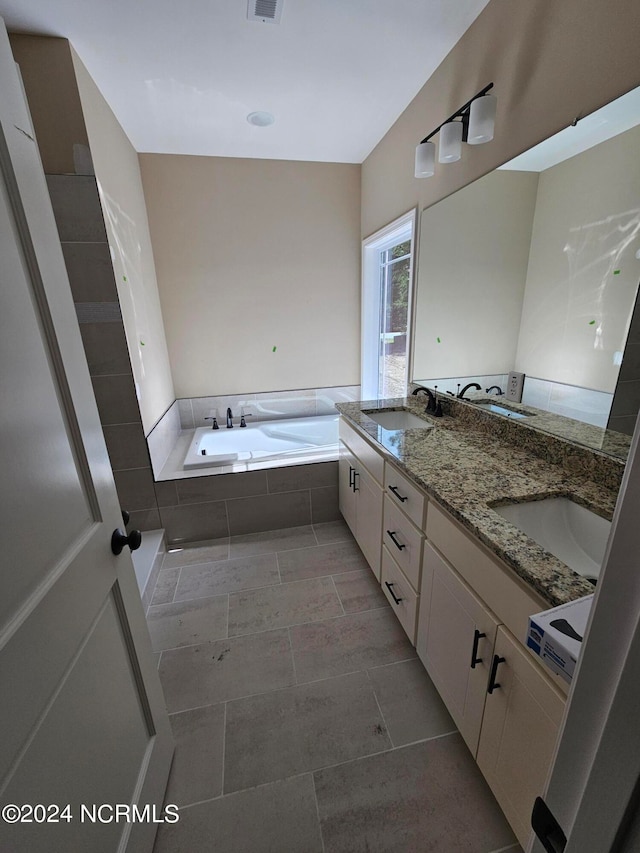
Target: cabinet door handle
x=355, y=474
x=395, y=491
x=393, y=595
x=352, y=471
x=477, y=636
x=392, y=535
x=493, y=684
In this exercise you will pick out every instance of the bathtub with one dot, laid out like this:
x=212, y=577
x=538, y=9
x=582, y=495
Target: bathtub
x=292, y=441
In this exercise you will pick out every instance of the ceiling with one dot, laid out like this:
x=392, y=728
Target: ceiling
x=182, y=77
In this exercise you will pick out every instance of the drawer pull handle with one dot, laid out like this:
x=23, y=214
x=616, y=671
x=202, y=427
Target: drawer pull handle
x=395, y=491
x=477, y=636
x=392, y=535
x=493, y=684
x=355, y=474
x=393, y=595
x=352, y=471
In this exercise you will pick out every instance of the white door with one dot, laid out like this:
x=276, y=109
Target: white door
x=82, y=717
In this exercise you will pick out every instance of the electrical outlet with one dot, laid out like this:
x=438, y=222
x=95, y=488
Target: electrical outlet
x=515, y=384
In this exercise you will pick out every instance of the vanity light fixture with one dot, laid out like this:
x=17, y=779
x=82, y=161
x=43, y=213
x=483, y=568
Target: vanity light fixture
x=472, y=123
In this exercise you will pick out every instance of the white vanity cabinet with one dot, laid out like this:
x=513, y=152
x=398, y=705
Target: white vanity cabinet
x=402, y=542
x=456, y=636
x=361, y=474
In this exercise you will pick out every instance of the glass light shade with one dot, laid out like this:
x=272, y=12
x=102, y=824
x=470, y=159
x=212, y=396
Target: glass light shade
x=482, y=118
x=425, y=159
x=450, y=148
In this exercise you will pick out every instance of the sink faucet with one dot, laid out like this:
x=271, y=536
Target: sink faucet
x=498, y=389
x=434, y=406
x=466, y=388
x=229, y=419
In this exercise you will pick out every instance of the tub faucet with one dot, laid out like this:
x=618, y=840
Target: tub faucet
x=229, y=419
x=466, y=388
x=498, y=389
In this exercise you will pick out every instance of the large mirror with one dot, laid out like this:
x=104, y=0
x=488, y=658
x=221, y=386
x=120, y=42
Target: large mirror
x=535, y=268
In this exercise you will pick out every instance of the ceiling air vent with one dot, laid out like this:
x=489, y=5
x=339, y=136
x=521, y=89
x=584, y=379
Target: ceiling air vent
x=266, y=11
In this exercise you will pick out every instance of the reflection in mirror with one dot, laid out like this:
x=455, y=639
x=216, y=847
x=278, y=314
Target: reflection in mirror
x=535, y=268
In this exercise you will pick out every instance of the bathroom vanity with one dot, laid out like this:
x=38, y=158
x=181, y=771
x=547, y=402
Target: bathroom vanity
x=419, y=495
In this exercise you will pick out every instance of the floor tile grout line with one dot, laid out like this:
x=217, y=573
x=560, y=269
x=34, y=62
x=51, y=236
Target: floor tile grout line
x=338, y=595
x=293, y=659
x=315, y=797
x=245, y=790
x=506, y=849
x=375, y=696
x=224, y=746
x=175, y=591
x=278, y=568
x=228, y=613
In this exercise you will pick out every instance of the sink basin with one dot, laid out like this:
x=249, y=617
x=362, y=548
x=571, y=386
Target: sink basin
x=501, y=410
x=570, y=532
x=400, y=419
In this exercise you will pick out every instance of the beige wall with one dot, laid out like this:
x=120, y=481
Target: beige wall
x=577, y=309
x=252, y=255
x=550, y=61
x=474, y=250
x=121, y=194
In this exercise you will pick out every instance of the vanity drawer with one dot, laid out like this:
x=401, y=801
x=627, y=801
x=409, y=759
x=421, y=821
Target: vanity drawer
x=402, y=597
x=369, y=457
x=405, y=495
x=403, y=540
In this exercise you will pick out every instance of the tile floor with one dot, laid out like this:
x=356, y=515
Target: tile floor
x=304, y=722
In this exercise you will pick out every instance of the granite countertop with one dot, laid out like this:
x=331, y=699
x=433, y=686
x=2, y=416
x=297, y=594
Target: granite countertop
x=474, y=459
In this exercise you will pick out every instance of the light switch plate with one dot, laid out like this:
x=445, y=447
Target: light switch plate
x=515, y=384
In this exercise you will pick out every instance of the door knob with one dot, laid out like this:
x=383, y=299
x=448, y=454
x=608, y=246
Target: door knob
x=119, y=539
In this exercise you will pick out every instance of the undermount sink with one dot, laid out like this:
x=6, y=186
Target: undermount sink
x=399, y=419
x=501, y=410
x=570, y=532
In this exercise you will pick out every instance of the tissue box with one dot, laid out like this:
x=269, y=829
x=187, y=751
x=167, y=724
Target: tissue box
x=553, y=635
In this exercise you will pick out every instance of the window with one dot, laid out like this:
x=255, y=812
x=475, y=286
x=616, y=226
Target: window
x=386, y=309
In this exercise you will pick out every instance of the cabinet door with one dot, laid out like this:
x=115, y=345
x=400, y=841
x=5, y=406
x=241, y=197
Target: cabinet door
x=521, y=721
x=457, y=646
x=368, y=517
x=346, y=495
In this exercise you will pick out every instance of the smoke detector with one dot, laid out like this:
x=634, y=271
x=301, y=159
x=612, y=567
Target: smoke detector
x=265, y=11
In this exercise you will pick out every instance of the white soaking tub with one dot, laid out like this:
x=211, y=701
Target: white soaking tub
x=296, y=440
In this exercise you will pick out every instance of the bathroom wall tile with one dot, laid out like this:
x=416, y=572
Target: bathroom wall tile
x=127, y=446
x=194, y=676
x=271, y=826
x=269, y=512
x=324, y=505
x=185, y=410
x=222, y=486
x=135, y=489
x=90, y=272
x=288, y=479
x=327, y=397
x=105, y=346
x=76, y=207
x=536, y=393
x=166, y=493
x=195, y=522
x=196, y=770
x=144, y=519
x=116, y=399
x=285, y=404
x=206, y=406
x=163, y=437
x=267, y=737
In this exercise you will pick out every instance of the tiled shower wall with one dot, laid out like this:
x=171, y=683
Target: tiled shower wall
x=78, y=214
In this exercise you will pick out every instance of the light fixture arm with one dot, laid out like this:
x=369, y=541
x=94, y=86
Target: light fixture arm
x=462, y=113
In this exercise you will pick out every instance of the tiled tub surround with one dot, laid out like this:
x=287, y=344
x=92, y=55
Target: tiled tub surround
x=473, y=459
x=197, y=508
